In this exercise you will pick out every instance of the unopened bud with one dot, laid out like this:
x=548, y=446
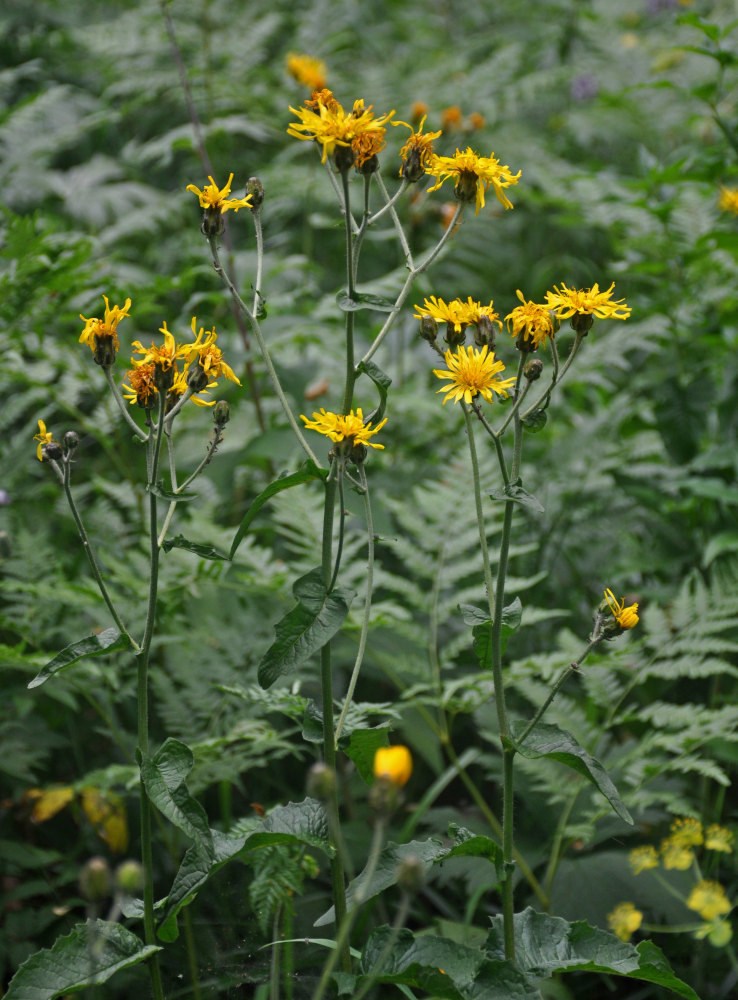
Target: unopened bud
x=411, y=874
x=52, y=450
x=321, y=781
x=255, y=190
x=129, y=877
x=533, y=368
x=428, y=329
x=385, y=796
x=197, y=377
x=71, y=440
x=94, y=880
x=221, y=413
x=484, y=333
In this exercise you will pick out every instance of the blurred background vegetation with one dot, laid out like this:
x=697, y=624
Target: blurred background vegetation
x=623, y=119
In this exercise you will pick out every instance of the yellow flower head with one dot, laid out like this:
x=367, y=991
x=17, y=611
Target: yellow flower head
x=395, y=764
x=624, y=920
x=347, y=427
x=455, y=312
x=332, y=127
x=417, y=152
x=209, y=357
x=96, y=329
x=476, y=120
x=141, y=388
x=568, y=302
x=216, y=199
x=625, y=617
x=162, y=355
x=709, y=900
x=719, y=838
x=728, y=200
x=472, y=175
x=475, y=311
x=686, y=831
x=675, y=855
x=307, y=70
x=180, y=386
x=43, y=437
x=643, y=858
x=471, y=372
x=530, y=321
x=451, y=117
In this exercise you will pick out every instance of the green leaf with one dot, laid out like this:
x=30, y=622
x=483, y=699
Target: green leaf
x=306, y=628
x=305, y=474
x=164, y=777
x=516, y=493
x=158, y=490
x=362, y=746
x=204, y=551
x=482, y=628
x=382, y=382
x=471, y=845
x=66, y=967
x=727, y=541
x=362, y=300
x=550, y=741
x=545, y=945
x=92, y=645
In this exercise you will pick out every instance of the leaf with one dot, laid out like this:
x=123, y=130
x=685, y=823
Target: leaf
x=471, y=845
x=482, y=628
x=363, y=300
x=382, y=382
x=158, y=490
x=306, y=628
x=305, y=474
x=545, y=945
x=164, y=777
x=726, y=541
x=92, y=645
x=550, y=741
x=204, y=551
x=66, y=966
x=516, y=493
x=362, y=746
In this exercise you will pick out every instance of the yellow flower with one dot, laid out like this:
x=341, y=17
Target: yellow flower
x=625, y=617
x=455, y=312
x=728, y=200
x=624, y=920
x=451, y=117
x=347, y=427
x=568, y=302
x=307, y=70
x=643, y=858
x=675, y=855
x=393, y=763
x=101, y=329
x=209, y=357
x=329, y=124
x=180, y=386
x=142, y=388
x=686, y=832
x=472, y=372
x=719, y=838
x=162, y=355
x=472, y=175
x=476, y=120
x=43, y=437
x=709, y=900
x=417, y=152
x=475, y=311
x=531, y=321
x=212, y=197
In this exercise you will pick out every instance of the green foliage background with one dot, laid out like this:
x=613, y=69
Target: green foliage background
x=623, y=120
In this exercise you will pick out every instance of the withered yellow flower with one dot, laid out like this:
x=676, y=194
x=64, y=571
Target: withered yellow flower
x=531, y=320
x=43, y=437
x=99, y=329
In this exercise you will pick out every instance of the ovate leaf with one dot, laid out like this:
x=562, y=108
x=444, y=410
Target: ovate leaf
x=199, y=549
x=92, y=645
x=516, y=493
x=164, y=777
x=363, y=300
x=482, y=628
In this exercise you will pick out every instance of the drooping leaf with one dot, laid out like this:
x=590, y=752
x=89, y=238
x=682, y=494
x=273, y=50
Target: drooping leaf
x=363, y=744
x=305, y=474
x=306, y=628
x=199, y=549
x=550, y=741
x=363, y=300
x=92, y=645
x=158, y=490
x=164, y=776
x=382, y=382
x=516, y=493
x=91, y=953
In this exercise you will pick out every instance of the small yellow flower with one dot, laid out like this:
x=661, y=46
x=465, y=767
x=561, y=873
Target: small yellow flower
x=476, y=120
x=686, y=832
x=451, y=117
x=141, y=389
x=624, y=920
x=180, y=386
x=568, y=302
x=417, y=152
x=676, y=856
x=471, y=372
x=418, y=110
x=728, y=200
x=531, y=321
x=643, y=858
x=625, y=617
x=209, y=357
x=307, y=70
x=332, y=127
x=394, y=764
x=162, y=355
x=99, y=329
x=43, y=437
x=472, y=175
x=455, y=312
x=214, y=198
x=709, y=900
x=719, y=838
x=348, y=427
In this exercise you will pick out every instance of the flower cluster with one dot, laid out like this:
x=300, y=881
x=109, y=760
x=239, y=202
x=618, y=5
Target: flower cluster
x=359, y=131
x=678, y=849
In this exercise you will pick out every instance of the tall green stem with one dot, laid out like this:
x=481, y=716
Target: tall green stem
x=348, y=391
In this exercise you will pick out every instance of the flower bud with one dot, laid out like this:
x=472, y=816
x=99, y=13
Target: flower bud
x=321, y=781
x=163, y=377
x=129, y=877
x=197, y=377
x=384, y=796
x=221, y=413
x=255, y=189
x=412, y=168
x=428, y=329
x=343, y=157
x=411, y=874
x=71, y=440
x=484, y=334
x=94, y=880
x=104, y=351
x=52, y=450
x=533, y=368
x=394, y=763
x=212, y=222
x=358, y=454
